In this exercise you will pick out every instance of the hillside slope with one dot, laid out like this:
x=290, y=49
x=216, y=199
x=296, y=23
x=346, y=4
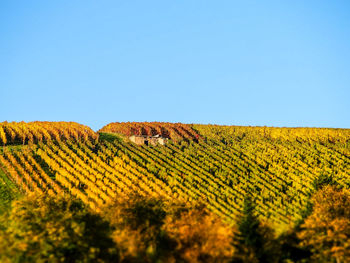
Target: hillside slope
x=217, y=165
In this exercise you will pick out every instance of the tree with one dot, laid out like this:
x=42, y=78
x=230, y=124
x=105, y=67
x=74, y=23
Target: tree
x=256, y=239
x=137, y=223
x=200, y=236
x=43, y=229
x=157, y=230
x=322, y=181
x=326, y=232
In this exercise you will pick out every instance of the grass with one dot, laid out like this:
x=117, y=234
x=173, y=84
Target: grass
x=8, y=192
x=111, y=137
x=13, y=147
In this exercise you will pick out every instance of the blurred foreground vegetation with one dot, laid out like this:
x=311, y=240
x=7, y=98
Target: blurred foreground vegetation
x=39, y=228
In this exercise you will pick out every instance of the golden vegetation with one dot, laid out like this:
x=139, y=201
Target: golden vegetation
x=219, y=166
x=200, y=237
x=276, y=166
x=43, y=131
x=46, y=229
x=327, y=230
x=174, y=131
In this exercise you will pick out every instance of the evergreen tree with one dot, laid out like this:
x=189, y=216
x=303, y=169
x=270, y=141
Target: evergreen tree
x=255, y=242
x=249, y=226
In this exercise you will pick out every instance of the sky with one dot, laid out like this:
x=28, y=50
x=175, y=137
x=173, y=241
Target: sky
x=254, y=63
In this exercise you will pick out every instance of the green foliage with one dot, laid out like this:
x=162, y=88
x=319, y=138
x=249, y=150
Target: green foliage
x=8, y=192
x=250, y=239
x=249, y=225
x=42, y=229
x=305, y=213
x=256, y=240
x=322, y=181
x=109, y=137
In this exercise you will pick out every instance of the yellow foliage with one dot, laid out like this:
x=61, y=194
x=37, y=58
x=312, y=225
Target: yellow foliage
x=327, y=230
x=43, y=229
x=200, y=236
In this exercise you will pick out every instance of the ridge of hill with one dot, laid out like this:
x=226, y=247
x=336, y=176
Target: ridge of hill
x=173, y=131
x=217, y=165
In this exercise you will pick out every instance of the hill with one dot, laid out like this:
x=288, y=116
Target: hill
x=278, y=168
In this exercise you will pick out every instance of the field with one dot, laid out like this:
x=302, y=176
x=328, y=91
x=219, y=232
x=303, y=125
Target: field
x=218, y=166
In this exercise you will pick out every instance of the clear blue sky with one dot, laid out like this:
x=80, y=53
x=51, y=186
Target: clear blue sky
x=273, y=63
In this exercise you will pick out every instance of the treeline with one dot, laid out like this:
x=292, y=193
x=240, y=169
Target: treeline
x=137, y=229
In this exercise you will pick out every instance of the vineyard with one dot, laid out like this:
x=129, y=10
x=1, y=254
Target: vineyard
x=216, y=165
